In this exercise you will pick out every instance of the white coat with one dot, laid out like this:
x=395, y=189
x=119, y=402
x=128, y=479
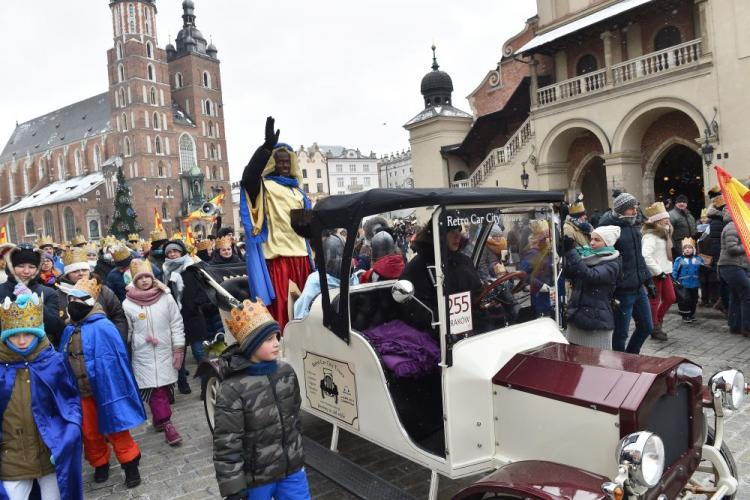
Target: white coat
x=152, y=364
x=654, y=250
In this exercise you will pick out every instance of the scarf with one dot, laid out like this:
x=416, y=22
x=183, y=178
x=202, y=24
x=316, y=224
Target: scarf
x=263, y=368
x=144, y=298
x=587, y=251
x=584, y=226
x=173, y=270
x=24, y=352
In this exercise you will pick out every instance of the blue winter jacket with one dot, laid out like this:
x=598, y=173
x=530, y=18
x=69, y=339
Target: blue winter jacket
x=594, y=279
x=686, y=270
x=118, y=403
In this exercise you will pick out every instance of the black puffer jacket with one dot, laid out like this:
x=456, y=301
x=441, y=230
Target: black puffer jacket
x=634, y=271
x=712, y=245
x=257, y=436
x=594, y=281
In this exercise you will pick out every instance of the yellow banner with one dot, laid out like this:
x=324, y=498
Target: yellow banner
x=737, y=197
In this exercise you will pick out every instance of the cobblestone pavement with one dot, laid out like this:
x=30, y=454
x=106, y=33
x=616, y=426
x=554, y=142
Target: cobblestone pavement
x=186, y=472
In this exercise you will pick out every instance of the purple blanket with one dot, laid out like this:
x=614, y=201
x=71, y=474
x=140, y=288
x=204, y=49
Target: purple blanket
x=406, y=352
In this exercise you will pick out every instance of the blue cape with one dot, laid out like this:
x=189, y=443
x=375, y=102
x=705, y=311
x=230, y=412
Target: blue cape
x=56, y=405
x=118, y=404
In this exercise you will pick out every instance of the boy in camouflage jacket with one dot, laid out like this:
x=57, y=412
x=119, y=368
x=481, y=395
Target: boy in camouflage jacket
x=257, y=436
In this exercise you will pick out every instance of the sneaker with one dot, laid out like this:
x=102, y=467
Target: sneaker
x=183, y=387
x=688, y=319
x=101, y=473
x=132, y=475
x=658, y=334
x=171, y=435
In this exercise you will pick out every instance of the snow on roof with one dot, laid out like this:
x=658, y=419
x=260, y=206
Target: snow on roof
x=581, y=23
x=58, y=192
x=444, y=110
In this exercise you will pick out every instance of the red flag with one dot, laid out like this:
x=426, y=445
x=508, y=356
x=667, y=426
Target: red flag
x=737, y=198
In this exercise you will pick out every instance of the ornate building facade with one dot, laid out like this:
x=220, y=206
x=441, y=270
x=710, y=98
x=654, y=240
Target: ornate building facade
x=161, y=121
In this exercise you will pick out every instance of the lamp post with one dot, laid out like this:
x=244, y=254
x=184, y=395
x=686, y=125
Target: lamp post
x=707, y=150
x=525, y=178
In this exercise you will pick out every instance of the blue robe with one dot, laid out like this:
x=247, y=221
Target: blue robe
x=56, y=405
x=118, y=403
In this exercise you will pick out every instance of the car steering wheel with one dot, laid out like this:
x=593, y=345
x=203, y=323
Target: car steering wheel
x=487, y=297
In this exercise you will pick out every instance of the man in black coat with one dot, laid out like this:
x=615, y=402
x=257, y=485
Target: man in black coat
x=712, y=244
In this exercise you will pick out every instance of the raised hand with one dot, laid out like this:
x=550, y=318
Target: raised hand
x=271, y=138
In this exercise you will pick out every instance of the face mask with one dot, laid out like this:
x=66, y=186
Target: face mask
x=157, y=253
x=78, y=310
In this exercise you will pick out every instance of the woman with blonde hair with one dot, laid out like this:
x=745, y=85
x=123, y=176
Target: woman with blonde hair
x=656, y=247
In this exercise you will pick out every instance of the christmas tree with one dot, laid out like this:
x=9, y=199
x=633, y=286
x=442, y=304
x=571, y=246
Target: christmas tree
x=125, y=220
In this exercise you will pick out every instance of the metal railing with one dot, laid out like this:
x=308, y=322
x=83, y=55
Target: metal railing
x=499, y=156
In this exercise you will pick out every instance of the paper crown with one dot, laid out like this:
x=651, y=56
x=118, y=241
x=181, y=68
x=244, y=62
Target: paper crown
x=688, y=241
x=577, y=208
x=26, y=314
x=108, y=241
x=45, y=241
x=90, y=286
x=134, y=237
x=74, y=255
x=78, y=240
x=243, y=322
x=203, y=244
x=120, y=253
x=92, y=248
x=145, y=246
x=224, y=242
x=139, y=266
x=656, y=212
x=158, y=235
x=177, y=235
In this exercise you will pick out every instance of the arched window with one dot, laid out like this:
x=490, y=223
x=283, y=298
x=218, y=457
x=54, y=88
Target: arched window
x=157, y=143
x=121, y=73
x=160, y=170
x=126, y=146
x=12, y=230
x=178, y=80
x=152, y=96
x=123, y=102
x=668, y=36
x=124, y=122
x=169, y=192
x=151, y=75
x=77, y=161
x=156, y=121
x=49, y=224
x=94, y=229
x=29, y=224
x=70, y=223
x=586, y=64
x=60, y=168
x=147, y=16
x=210, y=129
x=187, y=153
x=97, y=158
x=119, y=50
x=206, y=79
x=131, y=18
x=213, y=172
x=42, y=170
x=164, y=215
x=212, y=152
x=157, y=191
x=149, y=50
x=208, y=107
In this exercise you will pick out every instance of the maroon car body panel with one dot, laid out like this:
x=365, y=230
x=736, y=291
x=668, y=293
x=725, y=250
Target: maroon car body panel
x=538, y=480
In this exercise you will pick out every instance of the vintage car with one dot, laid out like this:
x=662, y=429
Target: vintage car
x=465, y=380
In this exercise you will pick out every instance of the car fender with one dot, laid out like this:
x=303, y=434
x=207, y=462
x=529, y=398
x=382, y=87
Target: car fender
x=537, y=480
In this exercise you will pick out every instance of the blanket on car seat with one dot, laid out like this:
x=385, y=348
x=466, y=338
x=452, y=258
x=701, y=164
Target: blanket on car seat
x=405, y=351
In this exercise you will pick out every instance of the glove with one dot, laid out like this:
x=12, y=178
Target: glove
x=178, y=355
x=568, y=244
x=21, y=289
x=651, y=289
x=152, y=340
x=271, y=138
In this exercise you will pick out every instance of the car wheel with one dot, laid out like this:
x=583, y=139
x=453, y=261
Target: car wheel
x=209, y=402
x=728, y=457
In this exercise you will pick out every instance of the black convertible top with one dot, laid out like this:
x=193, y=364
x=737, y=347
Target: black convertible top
x=342, y=210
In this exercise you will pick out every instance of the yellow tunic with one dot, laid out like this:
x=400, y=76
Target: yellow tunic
x=278, y=202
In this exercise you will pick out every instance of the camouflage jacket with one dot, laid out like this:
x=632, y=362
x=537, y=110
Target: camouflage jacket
x=257, y=434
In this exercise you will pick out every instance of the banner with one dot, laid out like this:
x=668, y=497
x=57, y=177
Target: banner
x=3, y=235
x=199, y=214
x=157, y=220
x=737, y=198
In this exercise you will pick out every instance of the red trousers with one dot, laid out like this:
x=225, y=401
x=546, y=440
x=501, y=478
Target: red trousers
x=282, y=270
x=95, y=445
x=664, y=299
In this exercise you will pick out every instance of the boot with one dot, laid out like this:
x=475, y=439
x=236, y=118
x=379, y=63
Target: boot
x=132, y=476
x=658, y=334
x=171, y=435
x=735, y=331
x=101, y=473
x=183, y=387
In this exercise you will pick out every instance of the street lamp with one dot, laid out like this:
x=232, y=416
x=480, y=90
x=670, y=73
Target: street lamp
x=707, y=150
x=525, y=178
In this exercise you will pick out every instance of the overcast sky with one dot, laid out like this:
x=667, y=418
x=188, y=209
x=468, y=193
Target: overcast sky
x=330, y=71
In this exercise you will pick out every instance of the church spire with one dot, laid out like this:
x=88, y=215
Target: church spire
x=435, y=65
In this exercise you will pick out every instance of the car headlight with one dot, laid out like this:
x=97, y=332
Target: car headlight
x=643, y=454
x=731, y=386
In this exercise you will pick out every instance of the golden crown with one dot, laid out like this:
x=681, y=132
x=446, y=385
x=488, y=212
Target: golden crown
x=78, y=239
x=45, y=241
x=243, y=322
x=92, y=248
x=139, y=266
x=158, y=234
x=145, y=246
x=655, y=209
x=108, y=241
x=29, y=315
x=74, y=255
x=224, y=242
x=134, y=237
x=203, y=244
x=177, y=235
x=577, y=208
x=688, y=241
x=90, y=286
x=120, y=253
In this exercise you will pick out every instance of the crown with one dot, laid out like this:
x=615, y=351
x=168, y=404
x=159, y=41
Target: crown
x=74, y=255
x=145, y=246
x=203, y=244
x=242, y=322
x=108, y=241
x=90, y=286
x=577, y=208
x=139, y=266
x=158, y=234
x=26, y=312
x=91, y=248
x=120, y=253
x=78, y=239
x=655, y=209
x=688, y=241
x=45, y=241
x=177, y=236
x=134, y=237
x=224, y=242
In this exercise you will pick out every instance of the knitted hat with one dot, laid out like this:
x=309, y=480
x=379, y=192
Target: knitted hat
x=140, y=268
x=681, y=199
x=623, y=202
x=25, y=315
x=609, y=234
x=25, y=254
x=656, y=212
x=251, y=325
x=75, y=259
x=175, y=245
x=688, y=242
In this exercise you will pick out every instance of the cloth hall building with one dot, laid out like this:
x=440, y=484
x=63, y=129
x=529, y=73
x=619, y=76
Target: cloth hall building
x=161, y=120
